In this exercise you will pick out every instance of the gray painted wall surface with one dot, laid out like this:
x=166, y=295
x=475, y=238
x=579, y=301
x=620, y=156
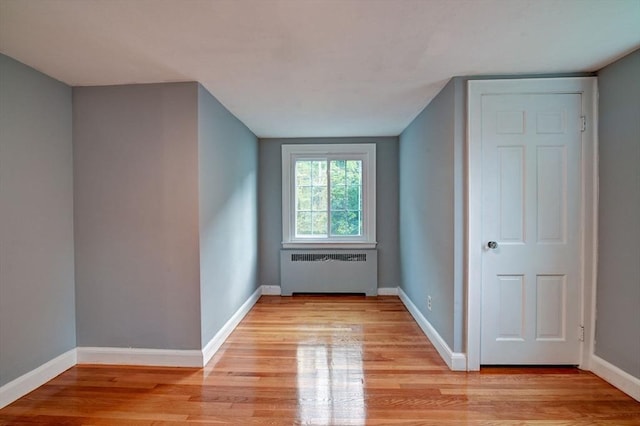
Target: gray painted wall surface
x=618, y=286
x=37, y=307
x=431, y=213
x=270, y=205
x=228, y=169
x=136, y=216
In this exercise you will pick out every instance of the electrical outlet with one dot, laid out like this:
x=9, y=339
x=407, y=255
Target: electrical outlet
x=429, y=302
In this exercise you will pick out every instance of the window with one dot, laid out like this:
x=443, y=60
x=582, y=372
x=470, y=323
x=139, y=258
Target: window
x=328, y=195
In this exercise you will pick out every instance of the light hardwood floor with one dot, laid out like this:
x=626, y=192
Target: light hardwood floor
x=342, y=360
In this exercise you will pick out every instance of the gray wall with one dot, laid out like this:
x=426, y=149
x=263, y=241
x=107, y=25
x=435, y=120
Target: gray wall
x=431, y=212
x=37, y=308
x=228, y=168
x=270, y=205
x=136, y=216
x=618, y=288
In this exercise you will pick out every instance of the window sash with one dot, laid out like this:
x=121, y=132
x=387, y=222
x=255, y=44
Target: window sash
x=291, y=154
x=329, y=209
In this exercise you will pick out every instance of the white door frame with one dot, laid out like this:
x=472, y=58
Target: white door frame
x=587, y=87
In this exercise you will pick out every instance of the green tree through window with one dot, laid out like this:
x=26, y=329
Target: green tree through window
x=328, y=198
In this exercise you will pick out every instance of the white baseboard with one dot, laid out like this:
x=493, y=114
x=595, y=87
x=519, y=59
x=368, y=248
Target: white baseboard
x=387, y=291
x=24, y=384
x=214, y=344
x=457, y=361
x=122, y=356
x=617, y=377
x=138, y=356
x=271, y=290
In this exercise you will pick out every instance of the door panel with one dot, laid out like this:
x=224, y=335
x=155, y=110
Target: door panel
x=531, y=148
x=551, y=302
x=511, y=193
x=512, y=301
x=552, y=194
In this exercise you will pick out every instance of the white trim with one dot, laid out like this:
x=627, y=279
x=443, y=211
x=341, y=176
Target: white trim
x=331, y=245
x=587, y=86
x=456, y=361
x=617, y=377
x=387, y=291
x=221, y=336
x=168, y=357
x=366, y=152
x=37, y=377
x=590, y=224
x=138, y=356
x=24, y=384
x=271, y=290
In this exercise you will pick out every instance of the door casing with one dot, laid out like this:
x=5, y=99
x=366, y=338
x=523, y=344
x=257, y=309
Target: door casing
x=587, y=87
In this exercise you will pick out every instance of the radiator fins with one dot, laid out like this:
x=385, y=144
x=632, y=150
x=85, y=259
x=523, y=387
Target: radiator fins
x=328, y=257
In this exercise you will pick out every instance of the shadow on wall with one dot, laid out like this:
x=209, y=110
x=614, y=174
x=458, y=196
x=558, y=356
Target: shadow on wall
x=228, y=256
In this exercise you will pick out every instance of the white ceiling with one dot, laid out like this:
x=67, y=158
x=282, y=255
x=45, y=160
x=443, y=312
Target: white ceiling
x=293, y=68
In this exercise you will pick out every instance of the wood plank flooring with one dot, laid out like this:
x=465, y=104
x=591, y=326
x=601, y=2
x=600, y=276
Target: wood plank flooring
x=322, y=360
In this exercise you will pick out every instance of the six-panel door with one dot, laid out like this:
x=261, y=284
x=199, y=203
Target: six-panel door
x=531, y=147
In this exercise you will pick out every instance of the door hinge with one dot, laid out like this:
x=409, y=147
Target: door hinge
x=583, y=123
x=581, y=333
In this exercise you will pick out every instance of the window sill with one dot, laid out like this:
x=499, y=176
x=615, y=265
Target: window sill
x=328, y=245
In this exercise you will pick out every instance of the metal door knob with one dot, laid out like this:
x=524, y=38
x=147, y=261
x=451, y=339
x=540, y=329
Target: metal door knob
x=492, y=245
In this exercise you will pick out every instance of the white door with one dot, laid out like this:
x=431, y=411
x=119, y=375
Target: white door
x=531, y=228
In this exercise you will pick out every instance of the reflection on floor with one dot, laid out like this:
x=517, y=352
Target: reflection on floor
x=330, y=384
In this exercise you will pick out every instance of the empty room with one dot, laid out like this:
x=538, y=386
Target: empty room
x=327, y=212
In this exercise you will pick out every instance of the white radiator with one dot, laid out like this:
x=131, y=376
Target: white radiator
x=329, y=271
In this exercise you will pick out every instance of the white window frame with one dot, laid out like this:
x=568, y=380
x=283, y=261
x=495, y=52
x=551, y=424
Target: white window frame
x=366, y=152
